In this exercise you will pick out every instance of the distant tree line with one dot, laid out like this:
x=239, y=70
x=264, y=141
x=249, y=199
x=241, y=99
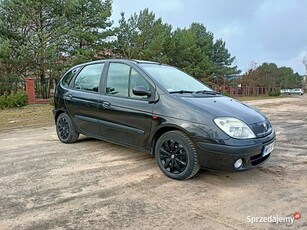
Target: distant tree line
x=270, y=76
x=42, y=38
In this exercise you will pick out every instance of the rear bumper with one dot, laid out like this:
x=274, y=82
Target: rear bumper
x=223, y=157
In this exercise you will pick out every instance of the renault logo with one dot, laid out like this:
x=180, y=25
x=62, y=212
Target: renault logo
x=265, y=126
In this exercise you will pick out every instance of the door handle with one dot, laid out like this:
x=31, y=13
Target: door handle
x=106, y=104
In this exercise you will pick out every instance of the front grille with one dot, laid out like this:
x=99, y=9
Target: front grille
x=262, y=129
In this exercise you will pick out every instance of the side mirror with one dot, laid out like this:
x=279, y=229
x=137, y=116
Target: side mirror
x=141, y=91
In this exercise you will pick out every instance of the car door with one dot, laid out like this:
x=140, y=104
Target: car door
x=83, y=99
x=125, y=117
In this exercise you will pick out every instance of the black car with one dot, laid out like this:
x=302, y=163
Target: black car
x=161, y=110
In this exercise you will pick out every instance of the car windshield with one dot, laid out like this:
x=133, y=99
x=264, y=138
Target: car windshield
x=174, y=80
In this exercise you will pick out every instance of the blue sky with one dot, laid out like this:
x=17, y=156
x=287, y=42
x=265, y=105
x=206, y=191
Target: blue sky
x=255, y=31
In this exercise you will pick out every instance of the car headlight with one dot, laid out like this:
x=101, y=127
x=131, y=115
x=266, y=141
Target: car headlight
x=234, y=127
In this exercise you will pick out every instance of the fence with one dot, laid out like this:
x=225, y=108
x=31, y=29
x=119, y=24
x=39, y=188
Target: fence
x=39, y=92
x=44, y=89
x=11, y=85
x=244, y=91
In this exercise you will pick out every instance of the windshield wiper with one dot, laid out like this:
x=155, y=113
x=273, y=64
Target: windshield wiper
x=207, y=92
x=182, y=91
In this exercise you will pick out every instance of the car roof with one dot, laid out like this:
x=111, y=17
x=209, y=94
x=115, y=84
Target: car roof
x=145, y=62
x=135, y=61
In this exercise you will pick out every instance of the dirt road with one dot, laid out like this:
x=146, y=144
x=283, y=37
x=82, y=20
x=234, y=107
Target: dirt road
x=96, y=185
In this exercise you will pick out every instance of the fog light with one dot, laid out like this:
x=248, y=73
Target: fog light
x=238, y=163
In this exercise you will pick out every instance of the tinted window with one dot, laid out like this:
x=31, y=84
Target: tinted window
x=118, y=78
x=121, y=80
x=68, y=76
x=89, y=77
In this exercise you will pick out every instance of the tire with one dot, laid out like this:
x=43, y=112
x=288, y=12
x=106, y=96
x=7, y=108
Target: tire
x=65, y=129
x=176, y=155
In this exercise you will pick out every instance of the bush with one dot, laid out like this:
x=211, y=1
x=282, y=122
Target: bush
x=274, y=94
x=10, y=101
x=226, y=94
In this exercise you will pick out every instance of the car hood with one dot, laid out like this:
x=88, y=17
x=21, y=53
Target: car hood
x=222, y=106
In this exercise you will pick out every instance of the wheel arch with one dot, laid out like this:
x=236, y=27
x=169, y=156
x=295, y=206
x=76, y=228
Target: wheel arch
x=57, y=114
x=159, y=132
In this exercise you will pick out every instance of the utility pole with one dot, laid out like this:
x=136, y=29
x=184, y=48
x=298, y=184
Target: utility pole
x=305, y=63
x=305, y=77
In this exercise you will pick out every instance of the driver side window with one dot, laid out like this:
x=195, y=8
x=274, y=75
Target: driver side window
x=122, y=79
x=137, y=80
x=117, y=81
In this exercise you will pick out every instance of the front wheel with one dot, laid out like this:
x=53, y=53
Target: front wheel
x=176, y=155
x=65, y=129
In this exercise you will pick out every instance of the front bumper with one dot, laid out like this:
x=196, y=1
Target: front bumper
x=223, y=157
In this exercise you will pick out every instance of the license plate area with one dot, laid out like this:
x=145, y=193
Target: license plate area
x=268, y=149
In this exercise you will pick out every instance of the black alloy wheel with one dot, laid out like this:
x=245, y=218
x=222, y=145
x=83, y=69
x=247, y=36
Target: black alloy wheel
x=65, y=129
x=173, y=156
x=176, y=155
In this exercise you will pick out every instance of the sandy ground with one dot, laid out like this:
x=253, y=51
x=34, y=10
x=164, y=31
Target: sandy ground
x=97, y=185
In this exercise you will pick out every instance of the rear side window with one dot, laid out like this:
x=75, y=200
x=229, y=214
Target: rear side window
x=68, y=76
x=89, y=77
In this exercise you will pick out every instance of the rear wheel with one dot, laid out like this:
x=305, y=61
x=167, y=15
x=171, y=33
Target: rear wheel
x=65, y=129
x=176, y=155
